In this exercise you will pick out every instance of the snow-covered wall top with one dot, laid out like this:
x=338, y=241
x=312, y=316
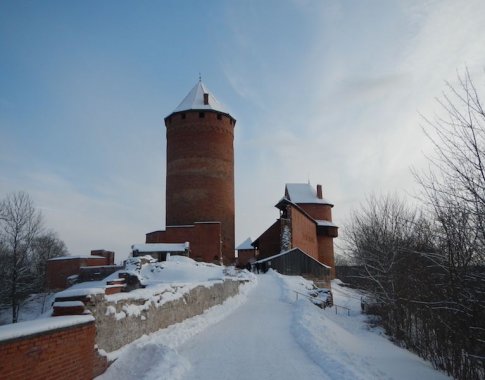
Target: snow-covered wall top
x=161, y=247
x=36, y=326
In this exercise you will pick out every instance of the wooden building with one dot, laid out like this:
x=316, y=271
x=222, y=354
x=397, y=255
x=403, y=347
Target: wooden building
x=297, y=263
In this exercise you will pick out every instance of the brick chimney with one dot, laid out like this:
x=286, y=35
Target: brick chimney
x=206, y=99
x=319, y=191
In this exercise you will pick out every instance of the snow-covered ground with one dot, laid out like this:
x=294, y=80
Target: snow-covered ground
x=265, y=333
x=34, y=307
x=162, y=281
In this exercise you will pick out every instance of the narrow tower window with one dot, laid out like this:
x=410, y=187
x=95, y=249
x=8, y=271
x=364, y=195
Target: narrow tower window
x=201, y=115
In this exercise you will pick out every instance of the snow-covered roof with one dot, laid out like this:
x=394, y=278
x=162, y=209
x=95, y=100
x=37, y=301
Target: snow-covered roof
x=161, y=247
x=195, y=100
x=77, y=257
x=325, y=223
x=246, y=244
x=68, y=304
x=304, y=193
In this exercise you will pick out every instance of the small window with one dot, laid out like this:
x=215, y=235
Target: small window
x=219, y=116
x=182, y=115
x=201, y=115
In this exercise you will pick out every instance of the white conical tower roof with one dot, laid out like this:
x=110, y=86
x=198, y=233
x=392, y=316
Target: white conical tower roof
x=304, y=193
x=195, y=100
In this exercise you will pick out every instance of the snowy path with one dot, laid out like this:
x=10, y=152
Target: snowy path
x=264, y=333
x=255, y=342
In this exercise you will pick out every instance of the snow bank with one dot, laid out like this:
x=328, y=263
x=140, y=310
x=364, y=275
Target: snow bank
x=34, y=307
x=169, y=280
x=345, y=346
x=158, y=351
x=178, y=269
x=148, y=361
x=172, y=278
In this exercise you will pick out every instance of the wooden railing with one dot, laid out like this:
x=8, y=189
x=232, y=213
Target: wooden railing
x=342, y=307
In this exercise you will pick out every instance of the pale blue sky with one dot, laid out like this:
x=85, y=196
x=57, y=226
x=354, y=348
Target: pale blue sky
x=326, y=91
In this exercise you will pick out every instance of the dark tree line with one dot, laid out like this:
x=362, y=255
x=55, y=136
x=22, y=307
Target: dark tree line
x=25, y=247
x=424, y=267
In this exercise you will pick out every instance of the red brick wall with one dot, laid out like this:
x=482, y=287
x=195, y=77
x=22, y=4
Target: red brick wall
x=109, y=255
x=204, y=239
x=172, y=234
x=324, y=242
x=94, y=261
x=58, y=270
x=303, y=233
x=317, y=211
x=67, y=353
x=326, y=253
x=100, y=364
x=207, y=238
x=269, y=241
x=200, y=173
x=245, y=255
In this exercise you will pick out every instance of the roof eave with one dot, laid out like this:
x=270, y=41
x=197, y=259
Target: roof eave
x=200, y=110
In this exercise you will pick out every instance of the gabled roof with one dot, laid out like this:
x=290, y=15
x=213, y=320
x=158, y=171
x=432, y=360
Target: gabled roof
x=304, y=193
x=195, y=100
x=246, y=244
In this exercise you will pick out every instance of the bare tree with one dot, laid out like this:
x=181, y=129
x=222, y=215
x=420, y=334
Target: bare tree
x=45, y=247
x=20, y=224
x=456, y=178
x=426, y=270
x=454, y=191
x=378, y=236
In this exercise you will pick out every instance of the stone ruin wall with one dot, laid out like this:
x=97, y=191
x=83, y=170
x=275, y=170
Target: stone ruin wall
x=149, y=316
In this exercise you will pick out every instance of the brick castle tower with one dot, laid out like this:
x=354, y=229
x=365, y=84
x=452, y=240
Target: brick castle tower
x=200, y=166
